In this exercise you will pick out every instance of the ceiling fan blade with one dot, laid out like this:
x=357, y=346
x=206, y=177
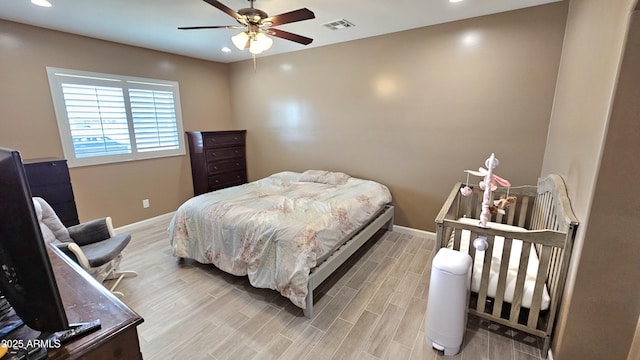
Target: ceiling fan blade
x=222, y=7
x=290, y=36
x=289, y=17
x=211, y=27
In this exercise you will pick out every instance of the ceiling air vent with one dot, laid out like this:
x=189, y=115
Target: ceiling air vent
x=339, y=24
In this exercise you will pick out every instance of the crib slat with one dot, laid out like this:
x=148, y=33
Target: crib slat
x=472, y=235
x=486, y=269
x=537, y=209
x=522, y=272
x=524, y=209
x=544, y=211
x=511, y=213
x=553, y=269
x=502, y=277
x=472, y=250
x=534, y=311
x=456, y=239
x=548, y=212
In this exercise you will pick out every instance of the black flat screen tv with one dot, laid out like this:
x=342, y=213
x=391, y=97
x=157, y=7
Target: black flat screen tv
x=26, y=277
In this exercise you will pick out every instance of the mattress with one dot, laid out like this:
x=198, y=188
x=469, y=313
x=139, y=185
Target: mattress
x=512, y=270
x=276, y=229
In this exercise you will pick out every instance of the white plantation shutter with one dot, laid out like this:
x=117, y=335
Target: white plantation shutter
x=106, y=118
x=154, y=119
x=97, y=120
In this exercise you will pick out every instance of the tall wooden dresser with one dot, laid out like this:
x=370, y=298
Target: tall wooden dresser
x=50, y=180
x=218, y=159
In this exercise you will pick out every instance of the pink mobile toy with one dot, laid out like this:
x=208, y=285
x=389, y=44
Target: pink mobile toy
x=488, y=184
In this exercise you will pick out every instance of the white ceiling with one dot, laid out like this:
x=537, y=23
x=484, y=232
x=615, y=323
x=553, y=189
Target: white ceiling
x=153, y=23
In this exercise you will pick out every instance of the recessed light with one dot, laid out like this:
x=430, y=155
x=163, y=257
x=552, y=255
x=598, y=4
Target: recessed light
x=225, y=49
x=455, y=1
x=43, y=3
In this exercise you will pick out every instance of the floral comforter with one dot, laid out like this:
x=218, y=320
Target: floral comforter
x=275, y=229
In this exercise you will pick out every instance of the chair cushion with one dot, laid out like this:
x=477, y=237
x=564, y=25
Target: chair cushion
x=100, y=253
x=50, y=225
x=90, y=232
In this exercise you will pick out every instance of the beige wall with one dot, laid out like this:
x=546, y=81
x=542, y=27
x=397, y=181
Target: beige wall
x=28, y=123
x=411, y=109
x=592, y=142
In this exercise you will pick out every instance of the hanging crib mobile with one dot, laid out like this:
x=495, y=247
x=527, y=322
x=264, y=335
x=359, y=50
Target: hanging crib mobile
x=488, y=184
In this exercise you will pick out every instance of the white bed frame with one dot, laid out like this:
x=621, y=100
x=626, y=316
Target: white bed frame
x=333, y=262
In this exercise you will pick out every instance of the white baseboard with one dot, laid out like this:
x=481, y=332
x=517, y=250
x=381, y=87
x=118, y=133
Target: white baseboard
x=414, y=232
x=549, y=355
x=167, y=216
x=142, y=223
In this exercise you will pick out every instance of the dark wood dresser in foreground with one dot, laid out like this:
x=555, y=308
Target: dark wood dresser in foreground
x=50, y=180
x=218, y=159
x=85, y=300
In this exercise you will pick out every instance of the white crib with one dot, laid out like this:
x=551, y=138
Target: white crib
x=521, y=284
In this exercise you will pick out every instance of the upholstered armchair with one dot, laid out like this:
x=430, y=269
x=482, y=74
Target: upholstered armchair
x=93, y=244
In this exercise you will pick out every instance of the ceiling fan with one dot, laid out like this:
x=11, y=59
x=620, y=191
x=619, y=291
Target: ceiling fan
x=257, y=24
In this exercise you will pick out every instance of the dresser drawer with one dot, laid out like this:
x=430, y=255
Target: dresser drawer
x=54, y=193
x=224, y=153
x=226, y=166
x=227, y=179
x=223, y=139
x=46, y=173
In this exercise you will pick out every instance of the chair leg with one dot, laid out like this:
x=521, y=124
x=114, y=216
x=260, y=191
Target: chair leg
x=119, y=275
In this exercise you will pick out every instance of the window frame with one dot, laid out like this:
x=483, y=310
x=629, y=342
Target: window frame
x=58, y=76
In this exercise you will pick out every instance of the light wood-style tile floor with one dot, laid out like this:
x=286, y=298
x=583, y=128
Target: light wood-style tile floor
x=371, y=308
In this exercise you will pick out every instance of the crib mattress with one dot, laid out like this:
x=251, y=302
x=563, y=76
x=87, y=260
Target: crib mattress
x=512, y=271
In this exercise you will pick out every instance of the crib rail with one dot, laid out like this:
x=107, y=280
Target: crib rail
x=545, y=214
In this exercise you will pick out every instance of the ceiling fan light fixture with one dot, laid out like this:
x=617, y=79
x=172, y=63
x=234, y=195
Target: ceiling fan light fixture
x=264, y=41
x=259, y=43
x=255, y=48
x=240, y=40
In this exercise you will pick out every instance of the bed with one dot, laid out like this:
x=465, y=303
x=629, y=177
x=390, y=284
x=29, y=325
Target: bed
x=286, y=232
x=521, y=284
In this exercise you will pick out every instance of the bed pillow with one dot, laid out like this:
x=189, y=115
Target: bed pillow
x=324, y=177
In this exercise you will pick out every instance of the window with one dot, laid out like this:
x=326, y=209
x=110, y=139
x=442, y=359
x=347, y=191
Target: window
x=106, y=118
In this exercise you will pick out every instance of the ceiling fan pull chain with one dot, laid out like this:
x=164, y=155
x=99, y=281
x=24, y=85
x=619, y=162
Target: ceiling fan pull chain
x=254, y=63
